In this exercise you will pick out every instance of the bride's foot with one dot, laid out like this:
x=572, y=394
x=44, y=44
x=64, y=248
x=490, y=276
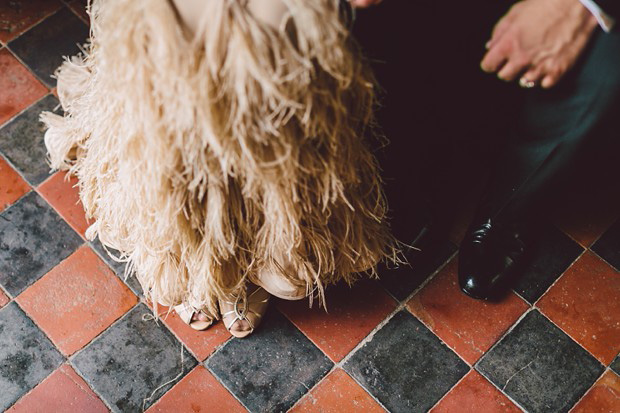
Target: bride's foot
x=279, y=286
x=280, y=281
x=195, y=319
x=243, y=313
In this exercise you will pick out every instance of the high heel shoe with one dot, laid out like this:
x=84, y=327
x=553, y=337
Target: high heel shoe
x=244, y=307
x=186, y=313
x=279, y=286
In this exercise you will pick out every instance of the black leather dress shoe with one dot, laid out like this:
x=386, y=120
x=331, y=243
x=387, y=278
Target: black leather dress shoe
x=489, y=256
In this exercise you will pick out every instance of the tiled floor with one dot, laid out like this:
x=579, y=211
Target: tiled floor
x=74, y=335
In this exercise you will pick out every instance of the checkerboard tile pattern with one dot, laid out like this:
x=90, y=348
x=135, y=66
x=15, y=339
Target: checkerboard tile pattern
x=76, y=335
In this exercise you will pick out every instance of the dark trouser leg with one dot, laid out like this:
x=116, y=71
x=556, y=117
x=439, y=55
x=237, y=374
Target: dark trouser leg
x=556, y=130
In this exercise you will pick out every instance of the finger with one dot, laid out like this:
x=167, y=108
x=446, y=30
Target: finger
x=494, y=59
x=532, y=77
x=549, y=81
x=511, y=70
x=498, y=31
x=364, y=3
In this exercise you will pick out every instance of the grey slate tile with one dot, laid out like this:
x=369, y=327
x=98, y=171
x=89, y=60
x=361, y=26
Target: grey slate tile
x=21, y=141
x=549, y=256
x=402, y=281
x=272, y=368
x=608, y=245
x=129, y=360
x=118, y=267
x=43, y=47
x=27, y=356
x=615, y=365
x=539, y=366
x=405, y=366
x=33, y=240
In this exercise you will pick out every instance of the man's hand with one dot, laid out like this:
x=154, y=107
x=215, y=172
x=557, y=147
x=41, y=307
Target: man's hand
x=364, y=3
x=540, y=40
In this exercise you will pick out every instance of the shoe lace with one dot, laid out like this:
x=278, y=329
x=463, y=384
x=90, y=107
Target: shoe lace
x=479, y=235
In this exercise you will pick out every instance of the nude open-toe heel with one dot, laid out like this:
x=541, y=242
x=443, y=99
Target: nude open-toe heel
x=282, y=281
x=244, y=307
x=279, y=286
x=186, y=312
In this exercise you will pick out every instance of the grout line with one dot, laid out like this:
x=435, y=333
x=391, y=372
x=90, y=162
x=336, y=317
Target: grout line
x=534, y=308
x=401, y=305
x=103, y=400
x=204, y=363
x=502, y=392
x=504, y=335
x=21, y=112
x=33, y=321
x=571, y=337
x=535, y=303
x=29, y=69
x=60, y=213
x=589, y=390
x=367, y=392
x=604, y=260
x=36, y=23
x=118, y=320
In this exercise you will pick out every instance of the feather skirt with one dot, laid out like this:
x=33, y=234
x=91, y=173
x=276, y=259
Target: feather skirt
x=205, y=158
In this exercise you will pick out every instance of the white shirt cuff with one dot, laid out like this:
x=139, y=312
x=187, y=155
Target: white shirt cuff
x=604, y=20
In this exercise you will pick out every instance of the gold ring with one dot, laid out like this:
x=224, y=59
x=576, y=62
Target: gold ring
x=525, y=83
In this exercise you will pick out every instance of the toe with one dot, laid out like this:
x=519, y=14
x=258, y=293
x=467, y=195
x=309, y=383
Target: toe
x=241, y=326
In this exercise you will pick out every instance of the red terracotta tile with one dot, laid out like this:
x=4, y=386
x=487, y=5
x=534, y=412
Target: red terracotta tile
x=197, y=392
x=353, y=314
x=474, y=394
x=200, y=343
x=585, y=218
x=62, y=391
x=18, y=87
x=79, y=8
x=337, y=393
x=603, y=397
x=13, y=186
x=4, y=300
x=77, y=300
x=63, y=195
x=469, y=326
x=17, y=16
x=584, y=303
